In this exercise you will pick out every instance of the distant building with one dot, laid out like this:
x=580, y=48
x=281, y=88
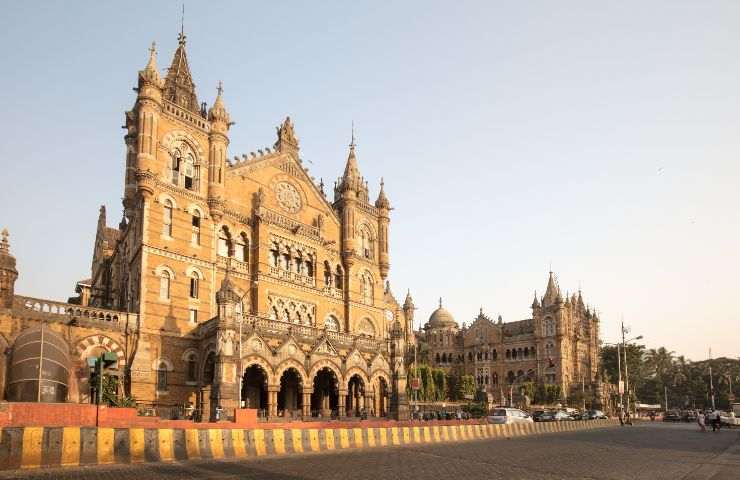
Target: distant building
x=559, y=345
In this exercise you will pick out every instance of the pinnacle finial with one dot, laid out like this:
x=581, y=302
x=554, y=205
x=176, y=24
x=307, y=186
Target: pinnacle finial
x=181, y=37
x=440, y=302
x=352, y=142
x=220, y=88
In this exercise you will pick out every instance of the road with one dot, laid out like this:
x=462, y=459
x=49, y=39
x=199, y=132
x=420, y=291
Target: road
x=645, y=451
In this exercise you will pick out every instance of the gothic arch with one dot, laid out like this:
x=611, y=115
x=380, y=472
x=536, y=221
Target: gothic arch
x=366, y=326
x=378, y=374
x=164, y=268
x=189, y=352
x=159, y=361
x=165, y=196
x=192, y=208
x=328, y=364
x=85, y=345
x=173, y=136
x=294, y=364
x=258, y=360
x=356, y=371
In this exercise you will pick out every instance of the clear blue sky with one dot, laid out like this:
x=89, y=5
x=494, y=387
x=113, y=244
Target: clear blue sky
x=600, y=137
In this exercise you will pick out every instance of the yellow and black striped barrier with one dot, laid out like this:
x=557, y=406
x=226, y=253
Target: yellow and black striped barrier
x=34, y=447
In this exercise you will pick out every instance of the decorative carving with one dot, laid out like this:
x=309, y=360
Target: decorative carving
x=291, y=310
x=288, y=197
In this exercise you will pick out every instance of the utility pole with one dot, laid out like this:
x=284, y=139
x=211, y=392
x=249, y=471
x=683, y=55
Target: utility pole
x=620, y=385
x=711, y=382
x=665, y=392
x=626, y=374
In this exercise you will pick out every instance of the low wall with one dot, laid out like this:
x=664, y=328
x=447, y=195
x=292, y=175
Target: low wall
x=34, y=447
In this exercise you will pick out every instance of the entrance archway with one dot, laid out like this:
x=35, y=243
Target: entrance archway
x=355, y=396
x=325, y=397
x=290, y=398
x=254, y=387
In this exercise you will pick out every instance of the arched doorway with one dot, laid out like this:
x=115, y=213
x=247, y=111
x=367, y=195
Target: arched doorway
x=290, y=401
x=325, y=397
x=254, y=388
x=355, y=396
x=39, y=367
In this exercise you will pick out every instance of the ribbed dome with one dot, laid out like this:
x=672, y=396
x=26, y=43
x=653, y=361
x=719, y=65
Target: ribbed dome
x=441, y=318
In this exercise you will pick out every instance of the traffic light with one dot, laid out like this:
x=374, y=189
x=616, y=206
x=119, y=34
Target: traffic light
x=98, y=366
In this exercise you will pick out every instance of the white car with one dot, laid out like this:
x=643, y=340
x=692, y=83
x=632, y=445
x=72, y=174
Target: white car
x=507, y=416
x=729, y=419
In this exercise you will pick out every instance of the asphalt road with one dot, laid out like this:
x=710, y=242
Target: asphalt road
x=646, y=451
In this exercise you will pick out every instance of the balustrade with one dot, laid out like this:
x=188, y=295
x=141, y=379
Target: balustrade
x=51, y=309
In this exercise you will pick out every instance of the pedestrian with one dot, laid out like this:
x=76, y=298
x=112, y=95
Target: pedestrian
x=621, y=417
x=700, y=420
x=716, y=418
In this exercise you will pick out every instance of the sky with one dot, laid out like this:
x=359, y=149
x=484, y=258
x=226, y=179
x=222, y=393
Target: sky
x=596, y=139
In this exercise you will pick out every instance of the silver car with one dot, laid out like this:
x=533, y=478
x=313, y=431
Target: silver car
x=507, y=416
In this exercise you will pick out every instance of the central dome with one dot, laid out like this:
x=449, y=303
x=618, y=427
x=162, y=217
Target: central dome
x=441, y=318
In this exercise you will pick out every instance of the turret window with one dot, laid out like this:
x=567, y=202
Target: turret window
x=367, y=242
x=241, y=249
x=185, y=171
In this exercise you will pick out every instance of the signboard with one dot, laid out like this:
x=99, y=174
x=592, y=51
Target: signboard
x=621, y=387
x=415, y=383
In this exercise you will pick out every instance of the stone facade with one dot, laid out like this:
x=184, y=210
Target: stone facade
x=225, y=272
x=559, y=345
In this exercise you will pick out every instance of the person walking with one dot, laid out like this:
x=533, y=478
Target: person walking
x=716, y=421
x=700, y=420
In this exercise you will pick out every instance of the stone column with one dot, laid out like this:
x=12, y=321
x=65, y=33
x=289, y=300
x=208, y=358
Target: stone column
x=307, y=402
x=370, y=404
x=342, y=399
x=272, y=394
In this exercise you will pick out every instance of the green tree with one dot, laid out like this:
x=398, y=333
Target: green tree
x=465, y=386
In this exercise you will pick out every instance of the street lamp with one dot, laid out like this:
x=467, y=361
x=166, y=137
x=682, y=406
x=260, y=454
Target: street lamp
x=626, y=374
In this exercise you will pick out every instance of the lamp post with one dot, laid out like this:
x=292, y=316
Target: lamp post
x=620, y=387
x=626, y=374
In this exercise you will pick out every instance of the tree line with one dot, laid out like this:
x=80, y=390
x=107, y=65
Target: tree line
x=657, y=373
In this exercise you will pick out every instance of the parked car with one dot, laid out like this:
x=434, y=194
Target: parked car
x=729, y=418
x=595, y=415
x=537, y=414
x=672, y=416
x=507, y=416
x=547, y=416
x=576, y=415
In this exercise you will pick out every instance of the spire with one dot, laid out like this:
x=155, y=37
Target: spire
x=580, y=299
x=218, y=112
x=535, y=303
x=440, y=302
x=552, y=292
x=352, y=180
x=409, y=302
x=150, y=74
x=178, y=84
x=382, y=201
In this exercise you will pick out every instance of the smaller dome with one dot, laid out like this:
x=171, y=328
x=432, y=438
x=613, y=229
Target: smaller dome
x=441, y=318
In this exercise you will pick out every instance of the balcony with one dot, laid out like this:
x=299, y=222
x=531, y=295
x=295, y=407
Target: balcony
x=292, y=277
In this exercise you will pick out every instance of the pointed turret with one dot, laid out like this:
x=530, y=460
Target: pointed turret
x=178, y=84
x=408, y=304
x=8, y=273
x=150, y=74
x=580, y=300
x=351, y=184
x=382, y=201
x=535, y=303
x=217, y=112
x=552, y=293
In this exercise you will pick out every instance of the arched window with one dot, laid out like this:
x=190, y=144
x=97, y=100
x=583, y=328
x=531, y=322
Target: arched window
x=194, y=284
x=331, y=323
x=510, y=377
x=195, y=237
x=519, y=353
x=338, y=278
x=191, y=364
x=444, y=358
x=274, y=255
x=273, y=313
x=494, y=354
x=209, y=369
x=327, y=274
x=185, y=171
x=367, y=242
x=224, y=242
x=365, y=327
x=167, y=217
x=548, y=327
x=366, y=287
x=164, y=285
x=286, y=261
x=162, y=377
x=470, y=356
x=309, y=267
x=436, y=358
x=241, y=249
x=494, y=379
x=508, y=354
